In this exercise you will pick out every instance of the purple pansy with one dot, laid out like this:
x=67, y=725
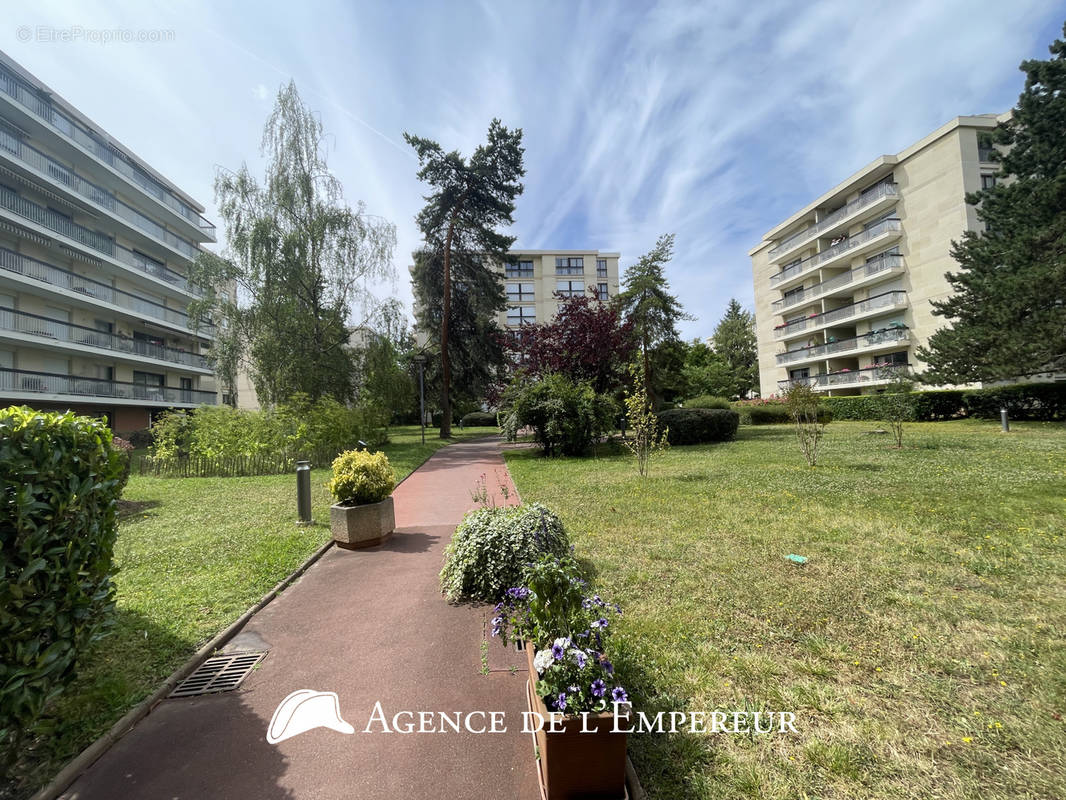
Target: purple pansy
x=618, y=694
x=599, y=688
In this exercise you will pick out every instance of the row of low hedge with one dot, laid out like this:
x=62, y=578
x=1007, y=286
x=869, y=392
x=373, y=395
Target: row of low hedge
x=1025, y=401
x=774, y=413
x=699, y=425
x=480, y=419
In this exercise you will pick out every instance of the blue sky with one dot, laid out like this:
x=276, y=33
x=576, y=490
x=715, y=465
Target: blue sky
x=712, y=120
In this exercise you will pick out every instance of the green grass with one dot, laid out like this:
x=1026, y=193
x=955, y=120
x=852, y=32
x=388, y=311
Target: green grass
x=193, y=555
x=922, y=646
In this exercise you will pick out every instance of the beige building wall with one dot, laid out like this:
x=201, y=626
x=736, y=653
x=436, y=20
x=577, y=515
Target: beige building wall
x=572, y=272
x=847, y=283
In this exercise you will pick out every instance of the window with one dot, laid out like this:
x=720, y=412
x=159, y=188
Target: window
x=892, y=359
x=601, y=267
x=874, y=187
x=884, y=218
x=601, y=291
x=520, y=292
x=522, y=269
x=988, y=181
x=570, y=288
x=148, y=378
x=799, y=374
x=794, y=294
x=892, y=251
x=521, y=315
x=569, y=266
x=985, y=147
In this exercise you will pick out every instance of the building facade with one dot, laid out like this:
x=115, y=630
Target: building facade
x=536, y=281
x=844, y=287
x=95, y=248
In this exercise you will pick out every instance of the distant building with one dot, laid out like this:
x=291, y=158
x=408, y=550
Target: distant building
x=95, y=248
x=844, y=287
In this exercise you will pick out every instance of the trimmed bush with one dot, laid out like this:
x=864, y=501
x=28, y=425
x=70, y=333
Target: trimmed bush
x=566, y=417
x=1024, y=401
x=773, y=412
x=492, y=548
x=480, y=419
x=360, y=478
x=859, y=407
x=61, y=478
x=708, y=401
x=699, y=425
x=939, y=405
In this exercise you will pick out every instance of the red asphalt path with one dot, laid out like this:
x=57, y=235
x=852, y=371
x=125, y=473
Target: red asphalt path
x=369, y=625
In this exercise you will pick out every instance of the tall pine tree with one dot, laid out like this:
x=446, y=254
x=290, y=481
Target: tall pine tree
x=471, y=198
x=1008, y=310
x=734, y=342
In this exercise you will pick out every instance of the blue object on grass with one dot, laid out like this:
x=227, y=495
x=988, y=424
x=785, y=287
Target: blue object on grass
x=796, y=559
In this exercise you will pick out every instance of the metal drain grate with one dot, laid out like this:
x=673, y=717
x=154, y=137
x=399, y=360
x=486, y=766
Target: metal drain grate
x=218, y=674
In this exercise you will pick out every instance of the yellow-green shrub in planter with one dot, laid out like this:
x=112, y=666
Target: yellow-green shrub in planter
x=362, y=485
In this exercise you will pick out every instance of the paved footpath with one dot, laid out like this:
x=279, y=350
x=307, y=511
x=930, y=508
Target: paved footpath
x=369, y=625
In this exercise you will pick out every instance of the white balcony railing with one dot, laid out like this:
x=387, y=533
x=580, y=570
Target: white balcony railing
x=26, y=381
x=868, y=341
x=849, y=377
x=831, y=253
x=853, y=310
x=883, y=263
x=883, y=190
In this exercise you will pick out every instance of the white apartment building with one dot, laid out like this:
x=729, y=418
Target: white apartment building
x=844, y=287
x=536, y=282
x=95, y=248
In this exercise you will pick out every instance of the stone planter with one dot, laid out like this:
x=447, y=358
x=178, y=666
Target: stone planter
x=362, y=526
x=575, y=765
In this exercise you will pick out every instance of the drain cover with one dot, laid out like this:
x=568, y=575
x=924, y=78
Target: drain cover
x=218, y=674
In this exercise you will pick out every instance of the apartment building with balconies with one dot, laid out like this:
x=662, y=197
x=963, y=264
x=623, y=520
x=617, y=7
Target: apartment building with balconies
x=537, y=281
x=844, y=287
x=95, y=249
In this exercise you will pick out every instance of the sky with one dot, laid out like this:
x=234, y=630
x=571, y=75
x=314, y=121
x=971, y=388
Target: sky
x=710, y=120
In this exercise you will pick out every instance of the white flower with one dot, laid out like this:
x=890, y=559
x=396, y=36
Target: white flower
x=563, y=643
x=542, y=660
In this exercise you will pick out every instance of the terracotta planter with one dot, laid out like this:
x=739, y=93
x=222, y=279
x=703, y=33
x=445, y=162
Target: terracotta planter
x=362, y=526
x=575, y=765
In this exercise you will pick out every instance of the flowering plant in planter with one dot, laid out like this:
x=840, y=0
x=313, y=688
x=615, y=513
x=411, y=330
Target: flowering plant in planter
x=573, y=678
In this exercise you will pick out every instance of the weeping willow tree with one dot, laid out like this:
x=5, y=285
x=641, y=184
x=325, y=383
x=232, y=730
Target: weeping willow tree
x=298, y=259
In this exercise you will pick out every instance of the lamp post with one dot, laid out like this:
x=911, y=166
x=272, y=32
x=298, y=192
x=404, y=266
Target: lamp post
x=420, y=359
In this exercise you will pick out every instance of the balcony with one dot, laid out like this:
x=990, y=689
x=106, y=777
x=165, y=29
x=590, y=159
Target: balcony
x=885, y=264
x=28, y=97
x=875, y=304
x=20, y=381
x=56, y=331
x=61, y=174
x=93, y=240
x=876, y=198
x=54, y=276
x=569, y=270
x=854, y=378
x=854, y=245
x=889, y=337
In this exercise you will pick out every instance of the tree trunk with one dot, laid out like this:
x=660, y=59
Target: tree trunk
x=445, y=361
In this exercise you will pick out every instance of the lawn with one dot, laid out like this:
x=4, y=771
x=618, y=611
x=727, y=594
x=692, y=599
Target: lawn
x=921, y=646
x=193, y=555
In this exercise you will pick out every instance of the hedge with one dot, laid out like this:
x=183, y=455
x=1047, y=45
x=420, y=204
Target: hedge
x=699, y=425
x=708, y=401
x=1024, y=401
x=774, y=414
x=61, y=478
x=480, y=419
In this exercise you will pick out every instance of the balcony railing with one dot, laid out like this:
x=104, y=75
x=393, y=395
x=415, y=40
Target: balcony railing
x=882, y=263
x=59, y=331
x=854, y=207
x=46, y=273
x=96, y=194
x=20, y=380
x=27, y=96
x=890, y=335
x=832, y=252
x=569, y=270
x=94, y=240
x=874, y=303
x=853, y=377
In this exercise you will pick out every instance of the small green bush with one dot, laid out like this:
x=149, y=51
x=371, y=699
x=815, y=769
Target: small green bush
x=566, y=416
x=480, y=419
x=774, y=413
x=699, y=425
x=360, y=478
x=860, y=407
x=492, y=548
x=61, y=478
x=708, y=401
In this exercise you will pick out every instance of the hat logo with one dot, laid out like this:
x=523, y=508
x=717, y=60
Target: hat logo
x=304, y=710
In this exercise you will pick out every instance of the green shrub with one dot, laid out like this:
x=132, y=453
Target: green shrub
x=938, y=405
x=860, y=407
x=492, y=548
x=360, y=477
x=699, y=425
x=708, y=401
x=61, y=478
x=1023, y=401
x=566, y=417
x=480, y=419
